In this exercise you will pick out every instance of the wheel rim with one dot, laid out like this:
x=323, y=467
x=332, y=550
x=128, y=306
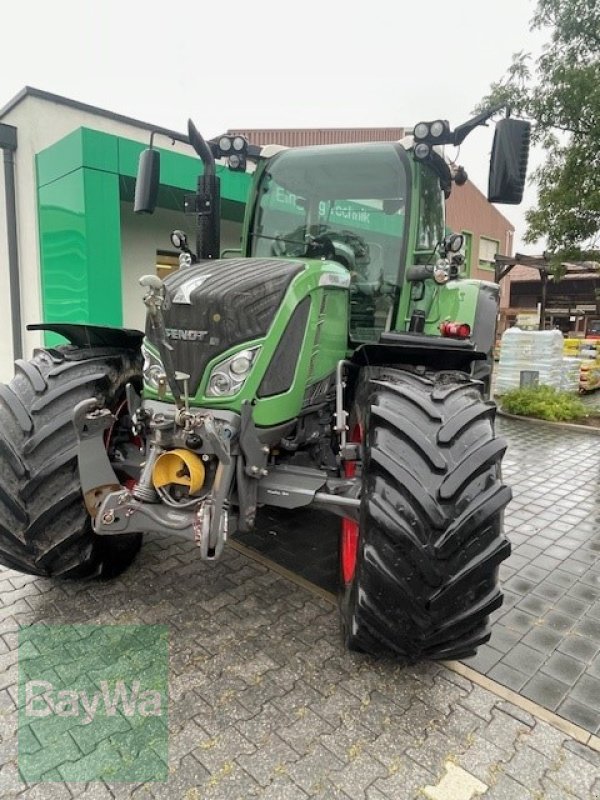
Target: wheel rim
x=350, y=528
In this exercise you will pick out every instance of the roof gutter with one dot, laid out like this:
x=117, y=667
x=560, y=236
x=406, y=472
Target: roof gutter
x=8, y=144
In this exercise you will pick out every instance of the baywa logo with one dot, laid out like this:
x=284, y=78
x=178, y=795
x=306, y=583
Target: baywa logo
x=93, y=703
x=42, y=699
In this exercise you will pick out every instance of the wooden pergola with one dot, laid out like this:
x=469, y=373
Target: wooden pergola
x=546, y=268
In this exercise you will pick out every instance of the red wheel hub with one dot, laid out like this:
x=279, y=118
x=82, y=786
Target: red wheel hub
x=350, y=528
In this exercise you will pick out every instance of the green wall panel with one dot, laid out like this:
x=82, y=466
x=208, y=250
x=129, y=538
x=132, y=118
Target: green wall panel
x=63, y=245
x=61, y=158
x=81, y=180
x=103, y=247
x=80, y=248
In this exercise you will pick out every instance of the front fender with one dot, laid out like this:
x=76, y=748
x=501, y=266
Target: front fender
x=85, y=336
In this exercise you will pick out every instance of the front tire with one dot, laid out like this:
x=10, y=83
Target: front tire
x=430, y=537
x=44, y=526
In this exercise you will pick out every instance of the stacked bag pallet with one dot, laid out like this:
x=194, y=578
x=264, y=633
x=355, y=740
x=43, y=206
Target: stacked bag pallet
x=537, y=351
x=589, y=372
x=572, y=361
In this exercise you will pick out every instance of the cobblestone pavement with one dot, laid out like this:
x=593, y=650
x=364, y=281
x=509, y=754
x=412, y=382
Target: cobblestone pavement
x=546, y=637
x=265, y=702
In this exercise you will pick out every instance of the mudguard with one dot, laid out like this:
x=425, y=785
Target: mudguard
x=85, y=336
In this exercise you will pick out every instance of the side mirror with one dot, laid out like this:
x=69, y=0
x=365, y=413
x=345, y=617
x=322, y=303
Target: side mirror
x=146, y=185
x=508, y=163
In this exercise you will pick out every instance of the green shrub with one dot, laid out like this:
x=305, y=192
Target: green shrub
x=543, y=402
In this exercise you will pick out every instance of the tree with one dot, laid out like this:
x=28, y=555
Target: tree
x=560, y=93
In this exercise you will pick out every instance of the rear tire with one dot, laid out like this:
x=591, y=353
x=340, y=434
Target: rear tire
x=430, y=534
x=44, y=526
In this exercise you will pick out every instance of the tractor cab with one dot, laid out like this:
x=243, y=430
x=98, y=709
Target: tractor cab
x=347, y=204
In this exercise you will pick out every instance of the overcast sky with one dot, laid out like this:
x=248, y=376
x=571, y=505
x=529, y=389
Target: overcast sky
x=273, y=64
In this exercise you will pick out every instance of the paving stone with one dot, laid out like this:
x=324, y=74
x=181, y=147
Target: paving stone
x=536, y=606
x=558, y=621
x=587, y=692
x=528, y=767
x=524, y=658
x=455, y=784
x=588, y=627
x=358, y=775
x=283, y=789
x=482, y=759
x=460, y=724
x=504, y=730
x=274, y=758
x=546, y=691
x=315, y=770
x=546, y=740
x=515, y=711
x=508, y=676
x=503, y=638
x=405, y=780
x=571, y=606
x=593, y=756
x=518, y=621
x=561, y=578
x=575, y=775
x=214, y=751
x=563, y=668
x=507, y=788
x=434, y=751
x=584, y=716
x=485, y=658
x=579, y=647
x=542, y=638
x=594, y=668
x=302, y=733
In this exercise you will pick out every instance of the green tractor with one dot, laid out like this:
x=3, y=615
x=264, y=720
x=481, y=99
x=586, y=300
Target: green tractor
x=340, y=360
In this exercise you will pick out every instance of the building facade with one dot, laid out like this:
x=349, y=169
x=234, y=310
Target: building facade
x=572, y=303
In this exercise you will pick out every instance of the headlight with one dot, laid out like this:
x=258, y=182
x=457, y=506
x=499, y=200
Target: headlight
x=153, y=368
x=441, y=271
x=228, y=377
x=437, y=128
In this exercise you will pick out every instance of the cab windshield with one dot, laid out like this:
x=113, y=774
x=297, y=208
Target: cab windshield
x=347, y=203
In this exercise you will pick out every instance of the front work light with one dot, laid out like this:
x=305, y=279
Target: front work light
x=436, y=132
x=233, y=146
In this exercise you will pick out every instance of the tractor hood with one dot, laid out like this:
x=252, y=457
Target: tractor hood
x=213, y=306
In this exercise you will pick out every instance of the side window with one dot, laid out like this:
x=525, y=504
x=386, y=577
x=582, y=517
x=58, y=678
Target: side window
x=280, y=216
x=431, y=211
x=487, y=252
